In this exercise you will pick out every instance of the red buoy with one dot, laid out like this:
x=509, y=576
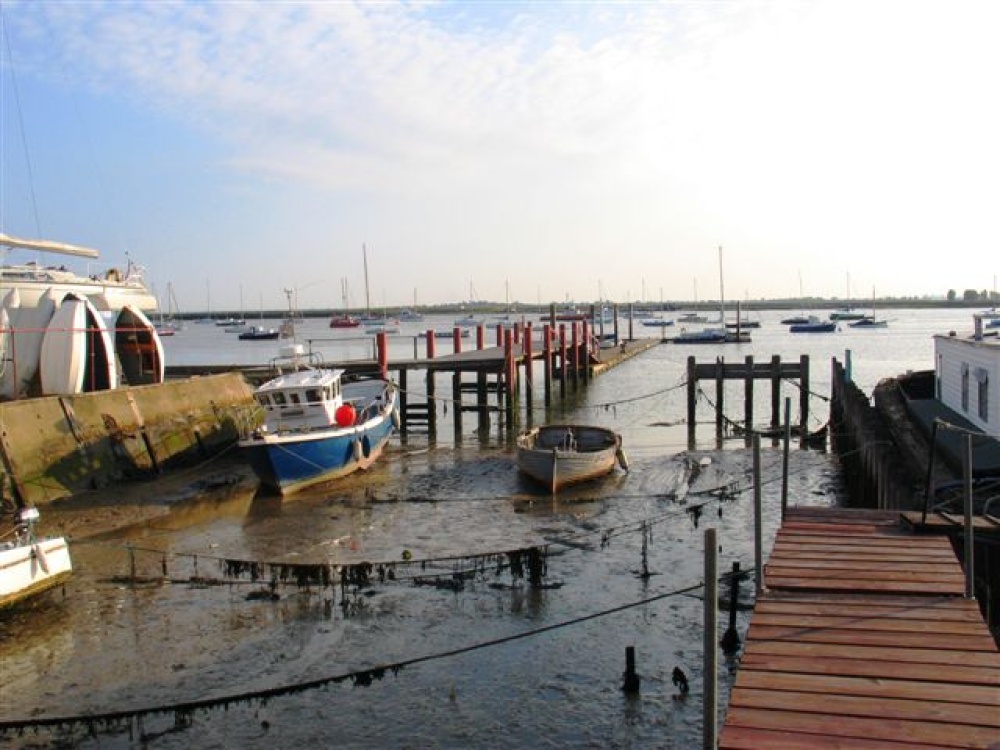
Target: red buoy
x=345, y=415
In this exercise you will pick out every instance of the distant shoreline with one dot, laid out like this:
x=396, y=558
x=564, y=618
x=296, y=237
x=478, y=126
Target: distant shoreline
x=501, y=308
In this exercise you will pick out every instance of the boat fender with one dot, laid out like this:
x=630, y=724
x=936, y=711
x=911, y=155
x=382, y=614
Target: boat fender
x=622, y=459
x=357, y=450
x=39, y=555
x=345, y=415
x=395, y=418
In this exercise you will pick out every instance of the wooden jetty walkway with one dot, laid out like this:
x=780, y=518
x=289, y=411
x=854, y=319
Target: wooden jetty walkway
x=862, y=638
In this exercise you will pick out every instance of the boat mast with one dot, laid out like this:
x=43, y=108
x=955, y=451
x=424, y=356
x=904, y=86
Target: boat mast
x=722, y=296
x=368, y=301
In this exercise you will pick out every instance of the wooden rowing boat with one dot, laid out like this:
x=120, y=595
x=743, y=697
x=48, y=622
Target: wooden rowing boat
x=564, y=454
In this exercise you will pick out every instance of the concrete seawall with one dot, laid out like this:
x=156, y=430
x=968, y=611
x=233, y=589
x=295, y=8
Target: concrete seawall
x=57, y=446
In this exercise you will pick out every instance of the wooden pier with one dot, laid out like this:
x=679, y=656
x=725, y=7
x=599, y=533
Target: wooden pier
x=565, y=355
x=862, y=638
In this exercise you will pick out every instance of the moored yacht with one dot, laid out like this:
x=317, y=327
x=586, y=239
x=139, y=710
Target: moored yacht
x=110, y=290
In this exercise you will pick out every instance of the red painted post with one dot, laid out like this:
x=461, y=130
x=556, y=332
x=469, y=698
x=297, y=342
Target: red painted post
x=563, y=365
x=499, y=334
x=430, y=344
x=517, y=333
x=382, y=346
x=480, y=337
x=456, y=337
x=576, y=354
x=529, y=370
x=547, y=361
x=585, y=354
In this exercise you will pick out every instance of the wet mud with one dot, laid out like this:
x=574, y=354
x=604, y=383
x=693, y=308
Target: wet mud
x=444, y=644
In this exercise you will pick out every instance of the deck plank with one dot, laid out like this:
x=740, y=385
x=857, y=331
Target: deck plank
x=856, y=728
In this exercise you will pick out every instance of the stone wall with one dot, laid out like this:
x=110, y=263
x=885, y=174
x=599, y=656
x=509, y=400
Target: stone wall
x=57, y=446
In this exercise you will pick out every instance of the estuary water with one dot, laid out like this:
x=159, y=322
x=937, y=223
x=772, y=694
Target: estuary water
x=447, y=645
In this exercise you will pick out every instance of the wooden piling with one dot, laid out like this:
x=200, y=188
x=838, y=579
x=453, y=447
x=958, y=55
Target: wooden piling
x=547, y=330
x=692, y=395
x=529, y=373
x=720, y=401
x=563, y=365
x=710, y=654
x=631, y=679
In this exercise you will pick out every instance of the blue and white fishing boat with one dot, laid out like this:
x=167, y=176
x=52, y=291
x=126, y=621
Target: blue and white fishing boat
x=317, y=427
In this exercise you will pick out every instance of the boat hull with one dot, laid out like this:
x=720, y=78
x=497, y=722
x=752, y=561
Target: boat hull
x=29, y=569
x=287, y=463
x=813, y=328
x=105, y=294
x=545, y=454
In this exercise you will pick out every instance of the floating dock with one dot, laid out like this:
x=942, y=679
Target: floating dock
x=862, y=638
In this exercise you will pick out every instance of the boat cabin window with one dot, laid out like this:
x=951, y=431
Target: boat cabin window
x=314, y=395
x=294, y=398
x=263, y=400
x=279, y=399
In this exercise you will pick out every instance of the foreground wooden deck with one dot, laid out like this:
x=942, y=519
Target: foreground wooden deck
x=862, y=639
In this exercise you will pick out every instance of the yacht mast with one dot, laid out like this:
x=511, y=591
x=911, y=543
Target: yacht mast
x=368, y=301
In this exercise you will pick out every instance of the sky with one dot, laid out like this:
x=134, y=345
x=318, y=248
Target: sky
x=511, y=151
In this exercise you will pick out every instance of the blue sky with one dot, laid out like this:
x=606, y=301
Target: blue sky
x=536, y=151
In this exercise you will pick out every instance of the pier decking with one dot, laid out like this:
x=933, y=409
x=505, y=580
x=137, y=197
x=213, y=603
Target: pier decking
x=862, y=639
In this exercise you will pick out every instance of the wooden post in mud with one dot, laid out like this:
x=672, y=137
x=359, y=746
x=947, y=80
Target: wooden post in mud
x=775, y=391
x=784, y=458
x=547, y=362
x=748, y=401
x=562, y=361
x=456, y=401
x=511, y=376
x=804, y=399
x=480, y=337
x=431, y=388
x=576, y=355
x=529, y=369
x=692, y=393
x=710, y=708
x=586, y=334
x=631, y=680
x=482, y=403
x=758, y=521
x=731, y=638
x=456, y=383
x=720, y=398
x=403, y=401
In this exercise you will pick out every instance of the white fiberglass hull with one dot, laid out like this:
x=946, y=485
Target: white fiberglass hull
x=31, y=568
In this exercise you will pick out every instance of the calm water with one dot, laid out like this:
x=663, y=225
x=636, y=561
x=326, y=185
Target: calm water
x=456, y=504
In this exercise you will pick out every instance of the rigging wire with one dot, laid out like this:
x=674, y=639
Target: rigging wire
x=20, y=120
